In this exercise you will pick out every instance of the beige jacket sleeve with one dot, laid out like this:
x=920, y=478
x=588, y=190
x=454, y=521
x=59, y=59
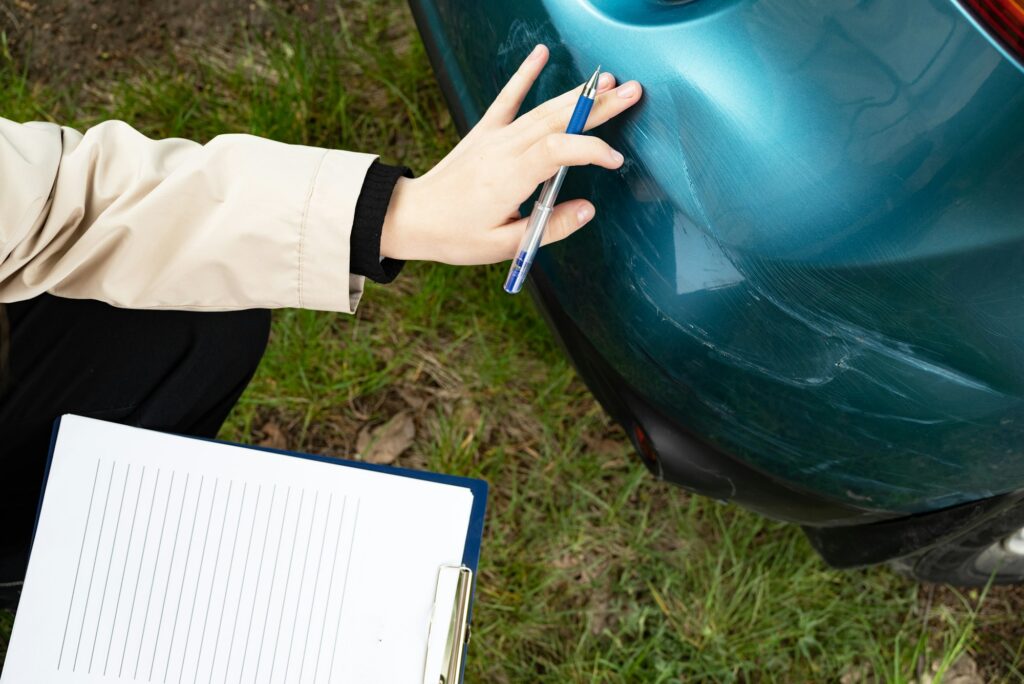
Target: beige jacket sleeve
x=240, y=222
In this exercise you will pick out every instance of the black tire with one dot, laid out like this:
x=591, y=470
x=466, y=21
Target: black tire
x=972, y=559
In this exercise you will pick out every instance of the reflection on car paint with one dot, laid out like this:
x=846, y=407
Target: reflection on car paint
x=813, y=258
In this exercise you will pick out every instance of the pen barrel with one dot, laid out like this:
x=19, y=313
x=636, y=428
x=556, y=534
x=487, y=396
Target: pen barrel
x=552, y=186
x=527, y=248
x=542, y=210
x=578, y=120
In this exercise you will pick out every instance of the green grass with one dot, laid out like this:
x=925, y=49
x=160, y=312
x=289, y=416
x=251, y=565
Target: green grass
x=591, y=570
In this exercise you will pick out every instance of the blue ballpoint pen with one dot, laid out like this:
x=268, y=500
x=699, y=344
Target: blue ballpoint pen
x=548, y=195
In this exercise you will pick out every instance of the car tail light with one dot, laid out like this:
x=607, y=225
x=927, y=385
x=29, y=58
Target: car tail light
x=645, y=448
x=1004, y=19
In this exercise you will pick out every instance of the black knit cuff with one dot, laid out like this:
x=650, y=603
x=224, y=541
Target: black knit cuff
x=371, y=207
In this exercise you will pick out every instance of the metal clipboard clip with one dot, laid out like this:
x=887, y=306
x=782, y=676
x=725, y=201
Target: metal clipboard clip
x=449, y=625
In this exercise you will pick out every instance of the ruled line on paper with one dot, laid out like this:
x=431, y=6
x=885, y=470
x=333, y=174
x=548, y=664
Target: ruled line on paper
x=184, y=570
x=241, y=588
x=330, y=585
x=302, y=580
x=270, y=594
x=92, y=574
x=316, y=583
x=138, y=575
x=78, y=565
x=124, y=569
x=152, y=580
x=227, y=581
x=344, y=589
x=199, y=576
x=287, y=583
x=167, y=582
x=259, y=574
x=110, y=566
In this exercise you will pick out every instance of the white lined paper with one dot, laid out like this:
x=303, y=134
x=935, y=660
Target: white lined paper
x=163, y=559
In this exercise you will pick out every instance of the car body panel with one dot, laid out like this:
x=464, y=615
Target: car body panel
x=812, y=258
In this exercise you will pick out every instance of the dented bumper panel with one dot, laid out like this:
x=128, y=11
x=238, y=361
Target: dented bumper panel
x=813, y=256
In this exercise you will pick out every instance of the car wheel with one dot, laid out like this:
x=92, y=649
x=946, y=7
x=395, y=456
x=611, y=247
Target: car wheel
x=993, y=550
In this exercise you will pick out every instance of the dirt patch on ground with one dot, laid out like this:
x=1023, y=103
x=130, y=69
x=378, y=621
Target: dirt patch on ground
x=76, y=40
x=1000, y=627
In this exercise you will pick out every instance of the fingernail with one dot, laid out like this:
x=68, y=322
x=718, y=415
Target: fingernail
x=537, y=50
x=584, y=214
x=605, y=81
x=617, y=157
x=627, y=89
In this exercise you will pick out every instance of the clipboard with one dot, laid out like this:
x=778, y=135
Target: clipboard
x=448, y=632
x=449, y=635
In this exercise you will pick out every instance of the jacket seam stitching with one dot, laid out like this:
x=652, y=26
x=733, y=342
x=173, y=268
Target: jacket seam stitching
x=302, y=225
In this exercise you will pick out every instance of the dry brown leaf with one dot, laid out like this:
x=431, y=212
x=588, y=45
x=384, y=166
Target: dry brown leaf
x=386, y=442
x=409, y=395
x=273, y=436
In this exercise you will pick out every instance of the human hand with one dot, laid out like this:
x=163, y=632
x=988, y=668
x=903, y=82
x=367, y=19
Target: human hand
x=466, y=209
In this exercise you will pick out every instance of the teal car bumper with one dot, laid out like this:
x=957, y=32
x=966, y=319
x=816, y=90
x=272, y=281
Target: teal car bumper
x=812, y=263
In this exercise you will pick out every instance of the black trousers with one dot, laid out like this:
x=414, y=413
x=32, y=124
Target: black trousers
x=175, y=371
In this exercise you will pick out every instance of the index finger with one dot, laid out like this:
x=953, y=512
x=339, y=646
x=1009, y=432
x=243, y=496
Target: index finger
x=506, y=105
x=553, y=116
x=565, y=100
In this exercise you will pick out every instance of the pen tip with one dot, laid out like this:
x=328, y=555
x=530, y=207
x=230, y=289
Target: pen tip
x=591, y=85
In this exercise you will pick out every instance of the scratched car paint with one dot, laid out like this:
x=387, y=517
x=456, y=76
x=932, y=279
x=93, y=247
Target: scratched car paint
x=813, y=255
